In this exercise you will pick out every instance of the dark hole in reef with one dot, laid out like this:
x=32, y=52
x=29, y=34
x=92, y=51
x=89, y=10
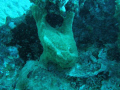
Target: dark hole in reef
x=25, y=36
x=54, y=20
x=113, y=53
x=84, y=12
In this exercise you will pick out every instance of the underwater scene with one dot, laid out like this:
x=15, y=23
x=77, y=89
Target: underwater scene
x=59, y=44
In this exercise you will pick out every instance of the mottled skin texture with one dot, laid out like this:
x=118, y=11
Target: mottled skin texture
x=58, y=43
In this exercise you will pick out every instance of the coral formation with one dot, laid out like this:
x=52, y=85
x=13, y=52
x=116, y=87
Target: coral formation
x=95, y=31
x=33, y=77
x=13, y=6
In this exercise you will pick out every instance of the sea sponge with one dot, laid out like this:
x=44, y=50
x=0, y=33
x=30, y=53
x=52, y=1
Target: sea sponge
x=58, y=44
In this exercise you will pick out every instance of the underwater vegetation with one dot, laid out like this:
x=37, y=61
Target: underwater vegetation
x=61, y=45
